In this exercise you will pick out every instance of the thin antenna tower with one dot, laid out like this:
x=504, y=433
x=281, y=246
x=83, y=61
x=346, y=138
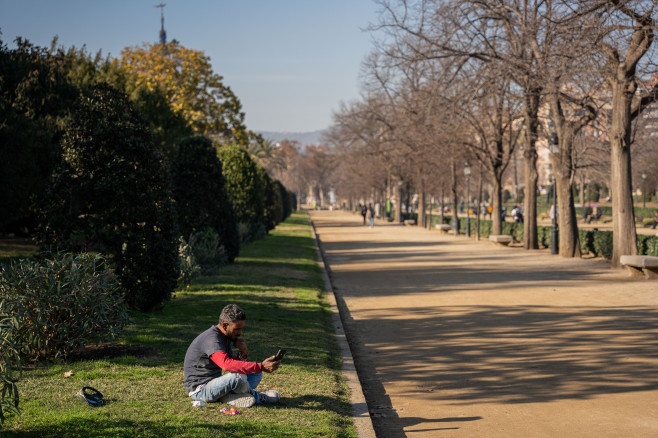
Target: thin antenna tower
x=163, y=34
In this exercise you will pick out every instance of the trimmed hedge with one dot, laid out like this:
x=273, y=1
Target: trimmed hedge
x=245, y=190
x=200, y=192
x=598, y=243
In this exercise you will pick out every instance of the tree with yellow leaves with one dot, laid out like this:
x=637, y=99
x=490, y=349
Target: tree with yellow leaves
x=186, y=77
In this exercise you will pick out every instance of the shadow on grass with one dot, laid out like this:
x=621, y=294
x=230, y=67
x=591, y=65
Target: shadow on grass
x=79, y=427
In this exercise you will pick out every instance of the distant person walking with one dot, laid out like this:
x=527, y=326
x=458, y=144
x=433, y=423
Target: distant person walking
x=364, y=212
x=371, y=215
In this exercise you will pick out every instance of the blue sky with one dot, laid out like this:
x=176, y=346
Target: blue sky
x=290, y=62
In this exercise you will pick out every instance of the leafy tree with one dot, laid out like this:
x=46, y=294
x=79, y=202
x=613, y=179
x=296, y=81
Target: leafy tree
x=200, y=193
x=34, y=99
x=111, y=194
x=244, y=186
x=167, y=126
x=192, y=88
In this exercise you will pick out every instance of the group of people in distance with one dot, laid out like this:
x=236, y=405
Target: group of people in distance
x=368, y=213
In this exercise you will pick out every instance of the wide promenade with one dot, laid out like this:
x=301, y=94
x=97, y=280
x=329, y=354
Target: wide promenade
x=459, y=338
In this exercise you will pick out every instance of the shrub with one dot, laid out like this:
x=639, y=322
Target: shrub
x=111, y=194
x=10, y=365
x=61, y=304
x=544, y=235
x=208, y=251
x=652, y=246
x=243, y=186
x=586, y=238
x=188, y=266
x=286, y=200
x=273, y=204
x=200, y=193
x=603, y=244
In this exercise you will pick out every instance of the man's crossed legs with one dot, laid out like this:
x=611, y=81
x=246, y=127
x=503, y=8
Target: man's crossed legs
x=235, y=389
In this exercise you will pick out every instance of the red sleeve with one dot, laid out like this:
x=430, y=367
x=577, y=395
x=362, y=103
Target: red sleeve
x=231, y=365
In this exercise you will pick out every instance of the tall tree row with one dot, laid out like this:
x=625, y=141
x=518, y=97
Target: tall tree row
x=506, y=75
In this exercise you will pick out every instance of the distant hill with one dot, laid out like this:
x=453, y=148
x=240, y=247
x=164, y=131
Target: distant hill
x=304, y=138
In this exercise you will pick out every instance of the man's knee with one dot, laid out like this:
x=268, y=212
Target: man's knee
x=238, y=382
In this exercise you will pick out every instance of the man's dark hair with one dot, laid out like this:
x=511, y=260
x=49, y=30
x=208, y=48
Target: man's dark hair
x=231, y=314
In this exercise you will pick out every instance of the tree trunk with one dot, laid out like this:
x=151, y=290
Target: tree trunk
x=567, y=221
x=497, y=204
x=455, y=200
x=398, y=200
x=624, y=239
x=421, y=208
x=531, y=107
x=442, y=203
x=480, y=209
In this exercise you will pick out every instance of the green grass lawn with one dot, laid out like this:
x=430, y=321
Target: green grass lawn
x=278, y=282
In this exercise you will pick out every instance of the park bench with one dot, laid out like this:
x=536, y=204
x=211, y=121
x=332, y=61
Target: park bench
x=410, y=222
x=501, y=239
x=443, y=228
x=640, y=265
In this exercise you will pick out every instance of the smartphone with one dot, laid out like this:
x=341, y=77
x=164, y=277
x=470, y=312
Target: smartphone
x=279, y=355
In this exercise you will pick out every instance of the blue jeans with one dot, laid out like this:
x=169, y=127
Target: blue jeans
x=229, y=383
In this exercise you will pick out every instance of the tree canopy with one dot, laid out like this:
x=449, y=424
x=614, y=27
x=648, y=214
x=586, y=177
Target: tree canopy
x=186, y=78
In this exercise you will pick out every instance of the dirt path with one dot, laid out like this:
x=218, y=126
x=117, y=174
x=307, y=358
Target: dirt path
x=459, y=338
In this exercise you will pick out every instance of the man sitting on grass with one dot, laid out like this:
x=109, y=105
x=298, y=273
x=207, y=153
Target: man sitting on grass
x=210, y=353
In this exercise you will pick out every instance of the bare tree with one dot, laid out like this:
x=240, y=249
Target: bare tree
x=628, y=47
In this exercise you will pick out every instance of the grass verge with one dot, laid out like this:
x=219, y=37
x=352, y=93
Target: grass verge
x=278, y=282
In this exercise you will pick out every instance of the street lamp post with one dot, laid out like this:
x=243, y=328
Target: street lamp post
x=467, y=173
x=644, y=190
x=554, y=149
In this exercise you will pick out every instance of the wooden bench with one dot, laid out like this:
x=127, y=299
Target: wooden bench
x=443, y=228
x=640, y=265
x=501, y=239
x=409, y=222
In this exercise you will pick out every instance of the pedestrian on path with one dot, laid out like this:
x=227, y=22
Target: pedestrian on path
x=371, y=215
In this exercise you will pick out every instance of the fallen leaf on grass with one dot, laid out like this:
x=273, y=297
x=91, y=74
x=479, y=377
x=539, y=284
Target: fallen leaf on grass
x=68, y=374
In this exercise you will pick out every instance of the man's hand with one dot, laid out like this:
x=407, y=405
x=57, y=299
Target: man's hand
x=270, y=364
x=241, y=345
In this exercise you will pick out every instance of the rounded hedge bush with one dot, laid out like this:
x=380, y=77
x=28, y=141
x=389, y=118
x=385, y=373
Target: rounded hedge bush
x=273, y=204
x=243, y=186
x=111, y=194
x=200, y=193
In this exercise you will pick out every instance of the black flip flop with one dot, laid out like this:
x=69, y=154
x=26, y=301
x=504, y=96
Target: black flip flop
x=91, y=395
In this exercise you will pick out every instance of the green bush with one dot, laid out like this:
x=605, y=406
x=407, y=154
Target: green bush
x=244, y=187
x=34, y=98
x=208, y=251
x=287, y=198
x=273, y=203
x=188, y=266
x=586, y=238
x=111, y=194
x=10, y=365
x=61, y=304
x=652, y=246
x=603, y=244
x=200, y=193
